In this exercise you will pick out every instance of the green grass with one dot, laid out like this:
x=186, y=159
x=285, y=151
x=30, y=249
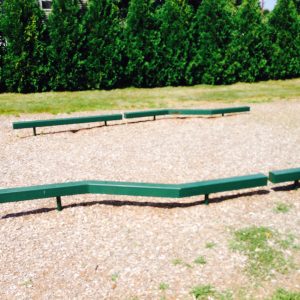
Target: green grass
x=265, y=250
x=282, y=294
x=210, y=245
x=180, y=262
x=282, y=208
x=200, y=260
x=163, y=286
x=114, y=277
x=208, y=292
x=133, y=98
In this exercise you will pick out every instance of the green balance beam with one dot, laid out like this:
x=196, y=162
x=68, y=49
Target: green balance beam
x=131, y=189
x=65, y=121
x=154, y=113
x=285, y=176
x=146, y=113
x=218, y=111
x=128, y=115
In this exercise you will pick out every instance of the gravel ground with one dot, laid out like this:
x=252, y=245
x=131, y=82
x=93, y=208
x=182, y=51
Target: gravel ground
x=118, y=247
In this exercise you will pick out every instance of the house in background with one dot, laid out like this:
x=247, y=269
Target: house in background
x=46, y=4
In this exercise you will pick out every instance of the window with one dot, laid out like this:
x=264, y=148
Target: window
x=46, y=4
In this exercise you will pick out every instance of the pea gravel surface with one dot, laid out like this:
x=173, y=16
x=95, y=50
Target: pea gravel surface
x=119, y=247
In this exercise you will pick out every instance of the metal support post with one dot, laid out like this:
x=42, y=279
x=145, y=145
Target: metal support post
x=206, y=199
x=58, y=203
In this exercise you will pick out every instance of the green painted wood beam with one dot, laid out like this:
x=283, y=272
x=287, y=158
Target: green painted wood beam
x=190, y=111
x=66, y=121
x=223, y=185
x=209, y=111
x=230, y=110
x=135, y=189
x=131, y=188
x=128, y=115
x=285, y=175
x=146, y=113
x=43, y=191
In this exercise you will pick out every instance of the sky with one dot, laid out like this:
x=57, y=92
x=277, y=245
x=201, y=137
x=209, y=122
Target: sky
x=269, y=4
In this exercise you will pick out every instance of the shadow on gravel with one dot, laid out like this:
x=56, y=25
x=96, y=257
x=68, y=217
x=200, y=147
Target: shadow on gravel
x=167, y=205
x=286, y=188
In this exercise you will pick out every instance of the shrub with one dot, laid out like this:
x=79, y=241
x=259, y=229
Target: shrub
x=67, y=46
x=284, y=35
x=247, y=54
x=104, y=44
x=25, y=61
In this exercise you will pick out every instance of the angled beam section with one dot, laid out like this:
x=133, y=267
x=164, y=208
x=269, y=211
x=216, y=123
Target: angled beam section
x=131, y=189
x=222, y=185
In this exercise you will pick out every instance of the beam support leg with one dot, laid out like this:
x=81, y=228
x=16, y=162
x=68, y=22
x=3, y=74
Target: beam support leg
x=105, y=123
x=34, y=131
x=206, y=199
x=154, y=118
x=58, y=203
x=296, y=184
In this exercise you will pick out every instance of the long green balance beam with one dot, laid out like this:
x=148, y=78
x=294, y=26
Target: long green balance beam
x=131, y=189
x=65, y=121
x=128, y=115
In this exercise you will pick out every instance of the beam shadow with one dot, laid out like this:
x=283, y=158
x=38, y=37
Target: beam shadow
x=119, y=203
x=286, y=188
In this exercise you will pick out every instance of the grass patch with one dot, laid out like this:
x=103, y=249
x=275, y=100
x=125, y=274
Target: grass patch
x=207, y=292
x=282, y=294
x=180, y=262
x=282, y=208
x=133, y=98
x=177, y=261
x=114, y=277
x=265, y=249
x=200, y=260
x=163, y=286
x=210, y=245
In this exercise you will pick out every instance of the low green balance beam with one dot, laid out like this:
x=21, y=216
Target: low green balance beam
x=210, y=112
x=285, y=176
x=131, y=189
x=161, y=112
x=127, y=115
x=146, y=113
x=65, y=121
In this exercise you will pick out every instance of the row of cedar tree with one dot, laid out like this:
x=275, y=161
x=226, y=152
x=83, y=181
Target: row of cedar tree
x=145, y=43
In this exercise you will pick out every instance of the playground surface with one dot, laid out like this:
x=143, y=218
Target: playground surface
x=119, y=247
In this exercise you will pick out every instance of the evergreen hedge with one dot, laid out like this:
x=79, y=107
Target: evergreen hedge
x=284, y=37
x=248, y=51
x=25, y=66
x=67, y=46
x=145, y=43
